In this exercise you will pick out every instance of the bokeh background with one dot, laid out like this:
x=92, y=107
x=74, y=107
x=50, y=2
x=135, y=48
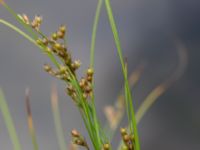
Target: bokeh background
x=148, y=30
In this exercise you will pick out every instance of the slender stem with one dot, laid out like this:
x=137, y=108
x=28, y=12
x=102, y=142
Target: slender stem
x=92, y=53
x=50, y=55
x=28, y=28
x=57, y=119
x=30, y=121
x=18, y=31
x=9, y=122
x=94, y=31
x=118, y=45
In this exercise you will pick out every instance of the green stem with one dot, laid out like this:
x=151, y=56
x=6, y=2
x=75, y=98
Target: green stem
x=9, y=122
x=92, y=53
x=50, y=55
x=28, y=28
x=57, y=120
x=18, y=31
x=129, y=96
x=94, y=31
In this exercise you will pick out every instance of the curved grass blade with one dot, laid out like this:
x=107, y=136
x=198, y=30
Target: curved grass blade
x=94, y=31
x=9, y=122
x=128, y=96
x=57, y=119
x=30, y=120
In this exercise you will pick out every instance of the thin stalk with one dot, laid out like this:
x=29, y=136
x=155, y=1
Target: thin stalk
x=92, y=53
x=86, y=113
x=118, y=46
x=9, y=122
x=50, y=55
x=10, y=10
x=57, y=119
x=94, y=31
x=96, y=123
x=30, y=121
x=18, y=31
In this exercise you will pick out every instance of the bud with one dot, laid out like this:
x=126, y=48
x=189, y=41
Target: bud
x=57, y=46
x=77, y=64
x=60, y=35
x=45, y=41
x=25, y=19
x=54, y=36
x=47, y=68
x=90, y=72
x=126, y=138
x=106, y=146
x=38, y=19
x=62, y=29
x=123, y=131
x=39, y=41
x=75, y=133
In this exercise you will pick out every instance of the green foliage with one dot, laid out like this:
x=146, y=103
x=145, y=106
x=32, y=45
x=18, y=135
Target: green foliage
x=82, y=94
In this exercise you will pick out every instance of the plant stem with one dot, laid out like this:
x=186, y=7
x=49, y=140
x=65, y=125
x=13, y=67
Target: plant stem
x=94, y=31
x=9, y=122
x=57, y=119
x=127, y=88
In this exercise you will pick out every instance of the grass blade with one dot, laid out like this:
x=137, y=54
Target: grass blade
x=9, y=122
x=30, y=121
x=129, y=106
x=94, y=31
x=159, y=90
x=57, y=119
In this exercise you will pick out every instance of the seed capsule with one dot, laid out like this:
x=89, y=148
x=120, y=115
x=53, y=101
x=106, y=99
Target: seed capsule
x=126, y=138
x=106, y=147
x=54, y=36
x=38, y=19
x=57, y=46
x=90, y=72
x=75, y=133
x=45, y=41
x=62, y=29
x=25, y=18
x=39, y=41
x=123, y=131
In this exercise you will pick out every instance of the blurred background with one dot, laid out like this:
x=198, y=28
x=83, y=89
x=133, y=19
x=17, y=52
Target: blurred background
x=149, y=31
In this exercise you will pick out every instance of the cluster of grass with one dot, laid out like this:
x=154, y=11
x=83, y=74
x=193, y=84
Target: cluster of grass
x=81, y=90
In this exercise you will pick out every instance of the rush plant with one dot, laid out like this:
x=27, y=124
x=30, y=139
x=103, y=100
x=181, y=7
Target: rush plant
x=80, y=90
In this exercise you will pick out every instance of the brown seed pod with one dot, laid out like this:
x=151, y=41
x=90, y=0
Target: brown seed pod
x=62, y=29
x=60, y=35
x=54, y=36
x=106, y=146
x=25, y=19
x=90, y=72
x=126, y=138
x=47, y=68
x=75, y=133
x=123, y=131
x=45, y=41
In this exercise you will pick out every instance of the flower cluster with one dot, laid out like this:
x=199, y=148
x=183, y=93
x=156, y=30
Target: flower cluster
x=128, y=139
x=78, y=139
x=56, y=45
